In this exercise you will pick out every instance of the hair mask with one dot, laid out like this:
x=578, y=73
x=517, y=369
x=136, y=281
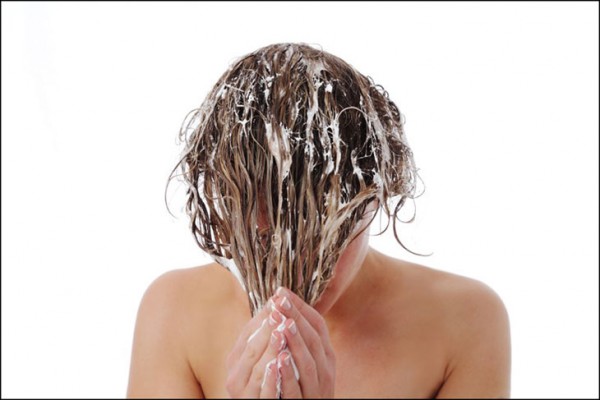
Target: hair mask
x=280, y=162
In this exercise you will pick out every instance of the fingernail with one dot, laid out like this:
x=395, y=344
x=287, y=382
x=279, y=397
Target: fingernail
x=291, y=325
x=285, y=303
x=268, y=371
x=281, y=327
x=271, y=303
x=275, y=317
x=286, y=358
x=277, y=337
x=280, y=291
x=269, y=367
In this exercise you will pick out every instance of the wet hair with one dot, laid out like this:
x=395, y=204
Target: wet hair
x=299, y=133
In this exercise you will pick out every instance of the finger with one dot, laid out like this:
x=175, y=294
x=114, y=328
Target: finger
x=311, y=315
x=251, y=372
x=307, y=368
x=248, y=333
x=268, y=388
x=307, y=338
x=315, y=373
x=290, y=386
x=241, y=365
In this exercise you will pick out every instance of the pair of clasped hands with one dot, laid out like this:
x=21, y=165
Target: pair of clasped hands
x=284, y=351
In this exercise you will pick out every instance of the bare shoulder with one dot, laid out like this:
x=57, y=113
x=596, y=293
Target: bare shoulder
x=172, y=312
x=182, y=295
x=190, y=298
x=474, y=324
x=205, y=283
x=454, y=296
x=463, y=298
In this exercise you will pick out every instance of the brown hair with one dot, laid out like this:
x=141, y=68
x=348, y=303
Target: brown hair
x=300, y=133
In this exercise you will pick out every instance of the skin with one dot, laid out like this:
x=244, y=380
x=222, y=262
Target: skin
x=383, y=328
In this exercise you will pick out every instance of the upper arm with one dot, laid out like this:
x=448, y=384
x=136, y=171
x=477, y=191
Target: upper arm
x=159, y=364
x=479, y=364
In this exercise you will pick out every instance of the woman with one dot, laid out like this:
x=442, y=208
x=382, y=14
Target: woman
x=288, y=159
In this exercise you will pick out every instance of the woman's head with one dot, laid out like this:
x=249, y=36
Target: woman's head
x=281, y=161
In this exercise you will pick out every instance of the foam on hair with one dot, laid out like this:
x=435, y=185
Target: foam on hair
x=302, y=135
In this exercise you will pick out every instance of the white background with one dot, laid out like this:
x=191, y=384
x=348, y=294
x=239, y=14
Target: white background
x=501, y=106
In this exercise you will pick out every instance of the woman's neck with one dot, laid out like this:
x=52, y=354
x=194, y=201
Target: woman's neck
x=355, y=301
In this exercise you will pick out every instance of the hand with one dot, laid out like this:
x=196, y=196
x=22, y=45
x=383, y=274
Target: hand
x=252, y=363
x=308, y=342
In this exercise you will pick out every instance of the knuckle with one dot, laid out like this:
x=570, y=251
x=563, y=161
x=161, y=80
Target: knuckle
x=332, y=358
x=311, y=368
x=230, y=384
x=251, y=351
x=327, y=379
x=313, y=345
x=321, y=327
x=256, y=376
